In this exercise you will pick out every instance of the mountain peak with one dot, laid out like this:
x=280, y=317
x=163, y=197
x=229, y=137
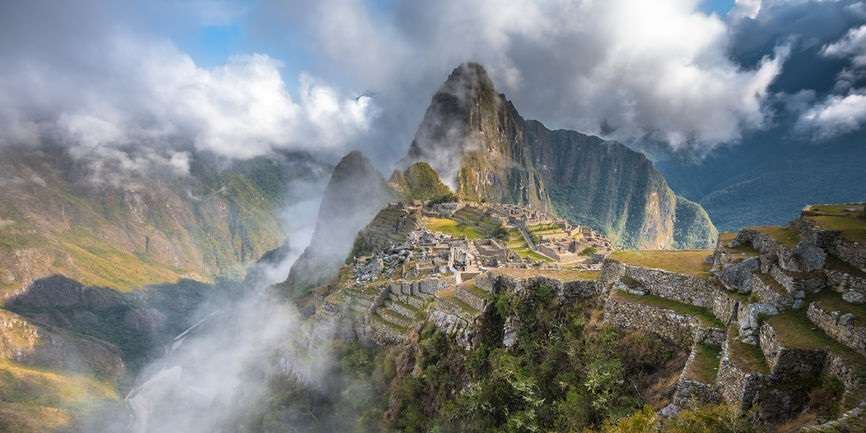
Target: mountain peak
x=468, y=81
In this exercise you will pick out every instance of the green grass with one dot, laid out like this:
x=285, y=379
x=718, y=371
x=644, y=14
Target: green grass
x=702, y=314
x=784, y=235
x=747, y=357
x=449, y=296
x=518, y=245
x=452, y=228
x=832, y=301
x=795, y=331
x=851, y=227
x=476, y=291
x=741, y=250
x=705, y=365
x=387, y=323
x=687, y=262
x=24, y=384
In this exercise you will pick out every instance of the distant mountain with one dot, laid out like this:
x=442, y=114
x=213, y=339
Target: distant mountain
x=771, y=175
x=418, y=182
x=355, y=193
x=138, y=229
x=476, y=140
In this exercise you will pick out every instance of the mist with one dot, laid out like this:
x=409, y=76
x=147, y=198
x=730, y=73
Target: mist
x=216, y=375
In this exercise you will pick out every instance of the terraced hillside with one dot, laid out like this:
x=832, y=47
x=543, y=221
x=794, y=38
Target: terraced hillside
x=468, y=222
x=782, y=306
x=773, y=319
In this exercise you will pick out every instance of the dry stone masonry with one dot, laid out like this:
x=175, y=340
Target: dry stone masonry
x=766, y=316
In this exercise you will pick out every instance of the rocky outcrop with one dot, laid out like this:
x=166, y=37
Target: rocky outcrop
x=478, y=142
x=355, y=193
x=419, y=182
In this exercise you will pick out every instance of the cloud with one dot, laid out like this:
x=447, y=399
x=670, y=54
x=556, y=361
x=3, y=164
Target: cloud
x=837, y=115
x=117, y=93
x=845, y=111
x=852, y=46
x=661, y=69
x=745, y=9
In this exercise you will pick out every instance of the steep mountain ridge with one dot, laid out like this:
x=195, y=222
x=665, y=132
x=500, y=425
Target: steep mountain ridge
x=504, y=158
x=355, y=193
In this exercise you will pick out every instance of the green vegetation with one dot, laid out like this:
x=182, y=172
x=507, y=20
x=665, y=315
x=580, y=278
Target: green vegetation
x=852, y=225
x=688, y=262
x=515, y=242
x=470, y=216
x=420, y=182
x=467, y=222
x=451, y=227
x=704, y=315
x=784, y=235
x=35, y=400
x=796, y=331
x=588, y=251
x=707, y=419
x=832, y=301
x=748, y=357
x=705, y=365
x=564, y=373
x=99, y=263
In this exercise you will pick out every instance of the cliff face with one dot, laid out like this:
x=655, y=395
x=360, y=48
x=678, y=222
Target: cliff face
x=355, y=193
x=476, y=139
x=468, y=121
x=137, y=229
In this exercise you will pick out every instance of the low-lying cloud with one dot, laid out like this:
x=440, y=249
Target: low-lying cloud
x=632, y=69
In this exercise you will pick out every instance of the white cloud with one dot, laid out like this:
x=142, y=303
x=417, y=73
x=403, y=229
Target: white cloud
x=149, y=93
x=658, y=68
x=845, y=112
x=837, y=115
x=852, y=45
x=745, y=9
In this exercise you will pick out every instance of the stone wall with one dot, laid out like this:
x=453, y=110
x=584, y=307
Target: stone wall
x=691, y=391
x=844, y=328
x=852, y=252
x=701, y=292
x=789, y=362
x=802, y=257
x=736, y=385
x=681, y=329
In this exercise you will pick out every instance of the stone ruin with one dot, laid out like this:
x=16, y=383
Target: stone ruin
x=782, y=307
